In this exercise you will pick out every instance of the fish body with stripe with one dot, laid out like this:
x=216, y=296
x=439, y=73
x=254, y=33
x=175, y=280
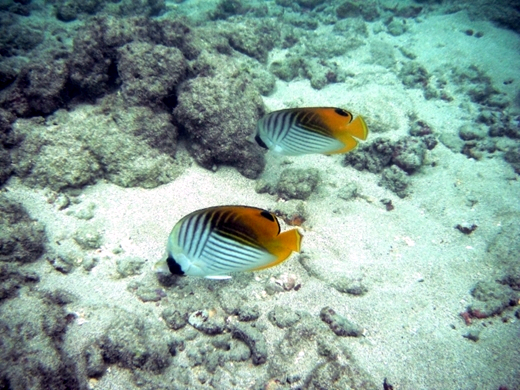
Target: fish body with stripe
x=218, y=241
x=308, y=130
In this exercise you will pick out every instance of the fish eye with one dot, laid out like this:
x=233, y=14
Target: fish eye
x=267, y=215
x=342, y=112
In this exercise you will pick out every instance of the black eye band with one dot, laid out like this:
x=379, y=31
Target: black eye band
x=267, y=215
x=260, y=142
x=342, y=112
x=173, y=266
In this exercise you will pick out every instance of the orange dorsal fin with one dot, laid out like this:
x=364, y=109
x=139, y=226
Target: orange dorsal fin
x=282, y=247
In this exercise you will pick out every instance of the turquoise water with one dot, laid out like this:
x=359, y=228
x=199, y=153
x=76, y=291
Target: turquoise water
x=118, y=118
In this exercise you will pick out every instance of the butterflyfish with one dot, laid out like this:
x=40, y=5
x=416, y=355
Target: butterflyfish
x=307, y=130
x=217, y=241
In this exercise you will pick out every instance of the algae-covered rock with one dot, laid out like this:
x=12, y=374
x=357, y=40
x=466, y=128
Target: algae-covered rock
x=149, y=72
x=353, y=8
x=326, y=364
x=340, y=375
x=489, y=291
x=283, y=317
x=17, y=36
x=202, y=321
x=22, y=239
x=339, y=324
x=219, y=351
x=502, y=13
x=88, y=237
x=373, y=157
x=409, y=154
x=470, y=132
x=61, y=165
x=348, y=191
x=397, y=27
x=288, y=68
x=145, y=8
x=325, y=46
x=396, y=180
x=175, y=319
x=40, y=88
x=92, y=66
x=69, y=10
x=452, y=142
x=297, y=183
x=352, y=286
x=135, y=343
x=264, y=81
x=321, y=73
x=153, y=126
x=248, y=313
x=253, y=38
x=512, y=277
x=148, y=293
x=95, y=364
x=505, y=246
x=7, y=141
x=230, y=301
x=313, y=56
x=93, y=62
x=228, y=8
x=36, y=329
x=71, y=150
x=414, y=75
x=89, y=262
x=293, y=212
x=84, y=212
x=491, y=299
x=141, y=53
x=479, y=87
x=12, y=278
x=254, y=339
x=219, y=114
x=309, y=3
x=395, y=160
x=512, y=156
x=62, y=262
x=129, y=266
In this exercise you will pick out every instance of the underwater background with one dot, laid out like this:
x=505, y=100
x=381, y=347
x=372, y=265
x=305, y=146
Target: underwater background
x=118, y=118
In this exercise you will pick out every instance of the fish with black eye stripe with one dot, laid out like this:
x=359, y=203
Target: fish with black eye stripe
x=308, y=130
x=218, y=241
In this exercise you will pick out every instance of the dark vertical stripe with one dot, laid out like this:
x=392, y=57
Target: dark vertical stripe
x=271, y=124
x=205, y=232
x=190, y=229
x=182, y=233
x=285, y=125
x=275, y=126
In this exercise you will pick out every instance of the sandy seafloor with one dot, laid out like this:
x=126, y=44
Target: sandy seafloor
x=417, y=268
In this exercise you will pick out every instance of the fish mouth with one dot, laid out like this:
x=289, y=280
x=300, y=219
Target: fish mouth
x=168, y=266
x=161, y=267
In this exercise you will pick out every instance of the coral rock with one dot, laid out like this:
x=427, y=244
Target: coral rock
x=219, y=114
